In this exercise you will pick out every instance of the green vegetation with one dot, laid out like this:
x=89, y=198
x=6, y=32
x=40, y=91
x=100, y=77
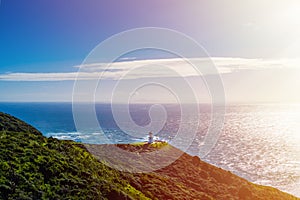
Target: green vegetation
x=35, y=167
x=142, y=147
x=190, y=178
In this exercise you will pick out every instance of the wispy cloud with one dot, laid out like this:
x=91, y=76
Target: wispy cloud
x=155, y=68
x=68, y=76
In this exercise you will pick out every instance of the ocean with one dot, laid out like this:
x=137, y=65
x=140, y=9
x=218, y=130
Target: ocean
x=260, y=143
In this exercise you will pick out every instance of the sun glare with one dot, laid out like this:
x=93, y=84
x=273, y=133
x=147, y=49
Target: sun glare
x=291, y=16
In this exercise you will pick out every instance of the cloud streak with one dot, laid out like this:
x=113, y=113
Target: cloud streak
x=154, y=68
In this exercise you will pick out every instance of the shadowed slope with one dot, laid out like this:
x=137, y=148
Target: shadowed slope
x=190, y=178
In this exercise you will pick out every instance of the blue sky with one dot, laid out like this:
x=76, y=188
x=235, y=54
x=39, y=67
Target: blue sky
x=54, y=36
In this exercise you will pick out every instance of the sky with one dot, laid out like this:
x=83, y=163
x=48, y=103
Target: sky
x=255, y=45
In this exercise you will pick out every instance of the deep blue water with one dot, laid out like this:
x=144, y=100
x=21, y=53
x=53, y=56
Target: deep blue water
x=56, y=119
x=46, y=117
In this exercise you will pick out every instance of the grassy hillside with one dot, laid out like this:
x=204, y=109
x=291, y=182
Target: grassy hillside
x=35, y=167
x=189, y=177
